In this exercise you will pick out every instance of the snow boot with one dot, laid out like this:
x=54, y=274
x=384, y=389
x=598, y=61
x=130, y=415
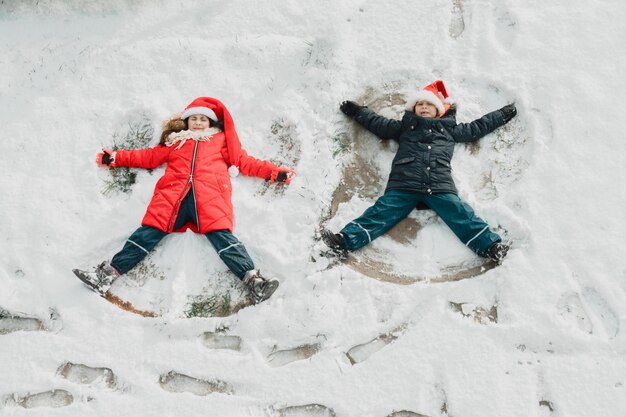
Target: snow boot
x=497, y=252
x=100, y=279
x=260, y=288
x=336, y=243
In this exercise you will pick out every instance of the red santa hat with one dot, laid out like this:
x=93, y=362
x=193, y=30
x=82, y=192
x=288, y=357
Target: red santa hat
x=434, y=93
x=215, y=110
x=201, y=105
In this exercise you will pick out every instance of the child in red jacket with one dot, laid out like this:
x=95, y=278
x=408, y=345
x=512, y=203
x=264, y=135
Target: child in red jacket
x=195, y=192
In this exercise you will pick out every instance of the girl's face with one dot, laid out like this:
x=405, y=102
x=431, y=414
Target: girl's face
x=198, y=122
x=425, y=109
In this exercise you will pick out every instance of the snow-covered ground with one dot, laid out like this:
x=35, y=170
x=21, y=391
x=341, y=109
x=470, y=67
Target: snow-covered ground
x=541, y=335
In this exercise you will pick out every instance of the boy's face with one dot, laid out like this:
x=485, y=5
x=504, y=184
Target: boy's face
x=198, y=122
x=425, y=109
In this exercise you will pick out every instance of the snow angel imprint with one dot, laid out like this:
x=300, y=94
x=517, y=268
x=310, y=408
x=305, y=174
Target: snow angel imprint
x=421, y=174
x=194, y=193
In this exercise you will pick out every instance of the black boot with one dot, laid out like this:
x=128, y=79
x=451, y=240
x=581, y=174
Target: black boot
x=497, y=252
x=336, y=243
x=260, y=288
x=100, y=279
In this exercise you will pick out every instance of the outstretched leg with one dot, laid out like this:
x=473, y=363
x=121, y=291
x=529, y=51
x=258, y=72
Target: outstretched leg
x=389, y=210
x=136, y=248
x=235, y=256
x=466, y=225
x=231, y=251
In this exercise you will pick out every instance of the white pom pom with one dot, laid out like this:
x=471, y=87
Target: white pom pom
x=233, y=171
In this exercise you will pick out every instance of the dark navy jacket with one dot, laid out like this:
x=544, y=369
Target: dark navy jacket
x=422, y=163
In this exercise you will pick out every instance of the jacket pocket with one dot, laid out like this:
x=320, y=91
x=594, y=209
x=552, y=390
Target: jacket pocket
x=443, y=162
x=403, y=161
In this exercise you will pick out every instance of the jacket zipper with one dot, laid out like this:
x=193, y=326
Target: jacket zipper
x=193, y=185
x=170, y=226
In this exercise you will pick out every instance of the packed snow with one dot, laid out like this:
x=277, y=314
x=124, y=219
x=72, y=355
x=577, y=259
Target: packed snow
x=540, y=335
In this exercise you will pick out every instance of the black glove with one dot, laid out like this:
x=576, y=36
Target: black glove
x=106, y=157
x=282, y=177
x=350, y=108
x=508, y=112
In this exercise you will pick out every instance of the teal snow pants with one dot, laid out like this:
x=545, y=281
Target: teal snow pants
x=395, y=205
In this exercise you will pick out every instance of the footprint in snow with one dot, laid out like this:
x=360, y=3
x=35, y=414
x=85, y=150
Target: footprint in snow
x=54, y=399
x=590, y=312
x=570, y=308
x=457, y=23
x=405, y=413
x=15, y=321
x=546, y=407
x=481, y=315
x=319, y=55
x=177, y=383
x=505, y=26
x=283, y=357
x=602, y=312
x=360, y=353
x=87, y=375
x=219, y=340
x=308, y=410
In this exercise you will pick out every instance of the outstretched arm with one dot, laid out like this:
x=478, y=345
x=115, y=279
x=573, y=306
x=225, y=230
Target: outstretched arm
x=136, y=158
x=470, y=132
x=380, y=126
x=251, y=166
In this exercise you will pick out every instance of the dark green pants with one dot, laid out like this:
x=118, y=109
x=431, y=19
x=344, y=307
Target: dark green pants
x=395, y=205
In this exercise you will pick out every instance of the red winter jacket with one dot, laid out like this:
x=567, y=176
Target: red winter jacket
x=203, y=164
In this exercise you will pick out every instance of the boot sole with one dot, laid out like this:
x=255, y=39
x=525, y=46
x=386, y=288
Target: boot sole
x=269, y=289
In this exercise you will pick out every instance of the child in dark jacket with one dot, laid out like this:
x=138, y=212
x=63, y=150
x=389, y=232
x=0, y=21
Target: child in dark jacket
x=198, y=146
x=421, y=173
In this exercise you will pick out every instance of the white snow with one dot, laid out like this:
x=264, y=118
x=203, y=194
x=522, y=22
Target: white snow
x=75, y=72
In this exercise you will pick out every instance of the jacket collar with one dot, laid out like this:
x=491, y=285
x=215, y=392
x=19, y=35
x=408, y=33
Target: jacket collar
x=184, y=135
x=446, y=119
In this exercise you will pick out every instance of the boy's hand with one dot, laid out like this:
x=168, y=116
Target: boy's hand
x=106, y=158
x=282, y=175
x=350, y=108
x=508, y=112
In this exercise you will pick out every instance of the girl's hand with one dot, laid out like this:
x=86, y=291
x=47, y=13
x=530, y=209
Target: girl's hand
x=106, y=158
x=281, y=175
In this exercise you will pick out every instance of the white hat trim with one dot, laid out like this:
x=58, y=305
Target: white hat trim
x=199, y=110
x=428, y=96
